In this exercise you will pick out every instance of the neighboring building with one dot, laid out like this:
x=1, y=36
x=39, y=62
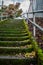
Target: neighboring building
x=34, y=6
x=39, y=4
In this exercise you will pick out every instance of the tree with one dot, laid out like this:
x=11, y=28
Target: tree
x=14, y=10
x=19, y=12
x=11, y=6
x=17, y=6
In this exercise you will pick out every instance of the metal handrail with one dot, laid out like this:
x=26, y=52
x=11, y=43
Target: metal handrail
x=37, y=11
x=36, y=25
x=39, y=27
x=33, y=22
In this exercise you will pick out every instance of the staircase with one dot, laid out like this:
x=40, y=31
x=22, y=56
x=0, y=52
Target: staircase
x=15, y=44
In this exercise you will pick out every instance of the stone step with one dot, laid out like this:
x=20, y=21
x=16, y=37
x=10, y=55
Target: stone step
x=14, y=38
x=13, y=32
x=14, y=43
x=15, y=50
x=13, y=35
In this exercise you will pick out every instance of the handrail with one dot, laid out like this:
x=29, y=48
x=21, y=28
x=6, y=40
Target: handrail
x=36, y=25
x=37, y=11
x=33, y=22
x=39, y=27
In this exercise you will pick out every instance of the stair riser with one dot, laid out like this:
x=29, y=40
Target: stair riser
x=18, y=61
x=13, y=35
x=8, y=29
x=10, y=44
x=14, y=51
x=12, y=32
x=13, y=39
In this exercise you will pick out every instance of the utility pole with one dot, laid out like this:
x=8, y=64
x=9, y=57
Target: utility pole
x=34, y=28
x=2, y=9
x=2, y=4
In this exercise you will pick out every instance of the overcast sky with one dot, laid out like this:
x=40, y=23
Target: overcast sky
x=24, y=3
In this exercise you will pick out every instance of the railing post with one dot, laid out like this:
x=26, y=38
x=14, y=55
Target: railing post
x=1, y=16
x=27, y=17
x=34, y=28
x=6, y=16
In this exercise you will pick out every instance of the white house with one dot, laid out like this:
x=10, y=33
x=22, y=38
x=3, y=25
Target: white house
x=36, y=5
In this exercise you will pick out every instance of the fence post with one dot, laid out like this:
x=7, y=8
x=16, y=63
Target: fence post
x=34, y=28
x=27, y=18
x=1, y=16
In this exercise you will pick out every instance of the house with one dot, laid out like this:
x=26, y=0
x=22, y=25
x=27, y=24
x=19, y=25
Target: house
x=36, y=5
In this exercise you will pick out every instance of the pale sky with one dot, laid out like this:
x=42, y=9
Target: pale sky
x=24, y=3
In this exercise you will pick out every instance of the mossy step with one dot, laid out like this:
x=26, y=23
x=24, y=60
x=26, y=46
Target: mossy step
x=13, y=35
x=15, y=29
x=14, y=38
x=11, y=57
x=31, y=54
x=11, y=60
x=20, y=47
x=17, y=58
x=17, y=32
x=15, y=50
x=12, y=32
x=15, y=43
x=12, y=22
x=12, y=25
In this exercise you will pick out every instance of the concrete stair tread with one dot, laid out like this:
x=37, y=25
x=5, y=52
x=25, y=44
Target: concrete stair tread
x=14, y=57
x=21, y=47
